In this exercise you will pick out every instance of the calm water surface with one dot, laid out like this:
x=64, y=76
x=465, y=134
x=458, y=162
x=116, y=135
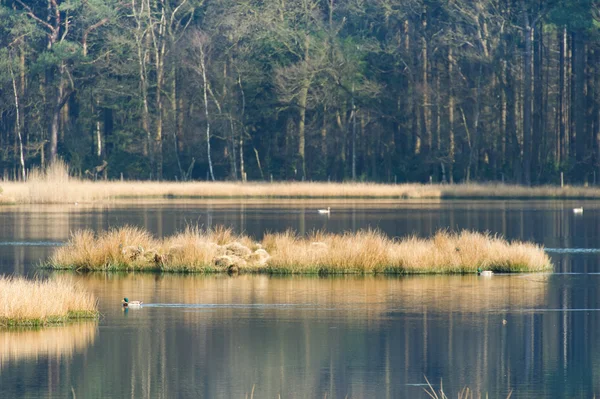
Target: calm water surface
x=307, y=337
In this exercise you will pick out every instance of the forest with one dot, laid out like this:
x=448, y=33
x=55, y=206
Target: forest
x=387, y=91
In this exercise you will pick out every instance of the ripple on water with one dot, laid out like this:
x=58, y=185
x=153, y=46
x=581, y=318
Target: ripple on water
x=31, y=243
x=573, y=250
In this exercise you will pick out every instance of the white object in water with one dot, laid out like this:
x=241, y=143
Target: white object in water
x=578, y=210
x=328, y=210
x=486, y=273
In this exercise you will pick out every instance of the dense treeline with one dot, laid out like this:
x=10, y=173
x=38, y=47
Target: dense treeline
x=381, y=90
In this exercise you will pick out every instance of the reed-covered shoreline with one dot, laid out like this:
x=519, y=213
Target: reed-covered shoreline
x=56, y=186
x=37, y=303
x=83, y=191
x=363, y=252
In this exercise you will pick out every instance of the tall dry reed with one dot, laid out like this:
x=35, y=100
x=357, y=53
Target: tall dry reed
x=373, y=252
x=37, y=302
x=367, y=251
x=56, y=185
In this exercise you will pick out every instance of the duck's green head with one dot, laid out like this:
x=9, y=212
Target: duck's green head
x=125, y=300
x=478, y=271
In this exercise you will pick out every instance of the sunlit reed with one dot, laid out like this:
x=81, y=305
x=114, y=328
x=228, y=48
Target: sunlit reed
x=55, y=185
x=37, y=302
x=362, y=252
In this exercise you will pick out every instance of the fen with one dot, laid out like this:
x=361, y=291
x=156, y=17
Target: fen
x=356, y=335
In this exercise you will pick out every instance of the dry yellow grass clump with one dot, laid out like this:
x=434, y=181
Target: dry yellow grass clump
x=36, y=302
x=195, y=250
x=372, y=252
x=130, y=248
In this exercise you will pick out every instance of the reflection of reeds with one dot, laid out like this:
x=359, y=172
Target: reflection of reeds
x=27, y=302
x=17, y=344
x=131, y=248
x=54, y=185
x=360, y=297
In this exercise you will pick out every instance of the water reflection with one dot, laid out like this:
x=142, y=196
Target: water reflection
x=551, y=223
x=356, y=297
x=363, y=337
x=307, y=337
x=52, y=342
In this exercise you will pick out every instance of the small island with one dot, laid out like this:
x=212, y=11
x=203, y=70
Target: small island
x=363, y=252
x=38, y=303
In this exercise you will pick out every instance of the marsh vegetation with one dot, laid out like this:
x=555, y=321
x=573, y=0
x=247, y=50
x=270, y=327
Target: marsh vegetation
x=366, y=251
x=37, y=303
x=55, y=185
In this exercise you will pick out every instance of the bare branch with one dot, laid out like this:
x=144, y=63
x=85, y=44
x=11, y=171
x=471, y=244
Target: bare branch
x=35, y=17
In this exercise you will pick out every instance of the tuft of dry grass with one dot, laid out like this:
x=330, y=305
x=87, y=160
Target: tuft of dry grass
x=131, y=248
x=56, y=185
x=37, y=302
x=368, y=251
x=372, y=252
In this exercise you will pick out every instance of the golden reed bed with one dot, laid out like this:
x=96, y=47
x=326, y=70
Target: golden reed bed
x=37, y=303
x=55, y=185
x=363, y=252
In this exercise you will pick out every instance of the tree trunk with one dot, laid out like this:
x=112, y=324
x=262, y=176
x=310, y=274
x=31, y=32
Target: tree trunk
x=302, y=97
x=538, y=103
x=511, y=125
x=561, y=120
x=425, y=109
x=206, y=113
x=579, y=108
x=61, y=99
x=451, y=106
x=353, y=136
x=98, y=129
x=177, y=122
x=527, y=95
x=18, y=121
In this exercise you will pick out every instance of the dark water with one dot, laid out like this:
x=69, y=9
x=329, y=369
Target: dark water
x=307, y=337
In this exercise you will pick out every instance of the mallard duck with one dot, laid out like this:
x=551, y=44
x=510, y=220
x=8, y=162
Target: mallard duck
x=484, y=272
x=127, y=303
x=328, y=210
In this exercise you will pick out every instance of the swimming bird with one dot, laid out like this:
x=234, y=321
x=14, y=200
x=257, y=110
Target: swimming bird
x=328, y=210
x=578, y=210
x=127, y=303
x=484, y=272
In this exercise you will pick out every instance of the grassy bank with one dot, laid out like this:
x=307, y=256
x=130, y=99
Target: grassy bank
x=89, y=192
x=363, y=252
x=55, y=185
x=38, y=303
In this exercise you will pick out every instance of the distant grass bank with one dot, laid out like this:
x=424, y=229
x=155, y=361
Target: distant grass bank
x=45, y=192
x=55, y=185
x=38, y=303
x=364, y=252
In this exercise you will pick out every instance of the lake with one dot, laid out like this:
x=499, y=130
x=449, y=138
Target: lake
x=315, y=337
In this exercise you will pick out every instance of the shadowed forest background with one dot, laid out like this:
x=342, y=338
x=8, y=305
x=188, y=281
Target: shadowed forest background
x=377, y=90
